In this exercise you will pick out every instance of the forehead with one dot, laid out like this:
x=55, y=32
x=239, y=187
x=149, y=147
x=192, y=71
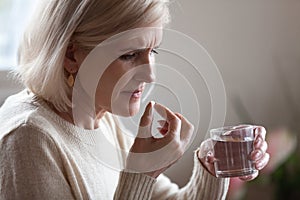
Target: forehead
x=139, y=38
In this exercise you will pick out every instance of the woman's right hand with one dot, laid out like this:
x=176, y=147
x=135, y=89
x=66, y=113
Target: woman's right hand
x=151, y=155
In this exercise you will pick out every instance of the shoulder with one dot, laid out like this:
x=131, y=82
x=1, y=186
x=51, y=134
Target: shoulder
x=20, y=116
x=31, y=164
x=26, y=147
x=26, y=136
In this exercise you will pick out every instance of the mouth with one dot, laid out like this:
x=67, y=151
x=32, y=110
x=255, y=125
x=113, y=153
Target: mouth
x=136, y=94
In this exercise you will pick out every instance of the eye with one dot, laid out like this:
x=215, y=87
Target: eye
x=153, y=51
x=133, y=55
x=128, y=56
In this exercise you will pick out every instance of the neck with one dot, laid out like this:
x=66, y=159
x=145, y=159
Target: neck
x=84, y=120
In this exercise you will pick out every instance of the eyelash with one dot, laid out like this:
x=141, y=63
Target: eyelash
x=131, y=56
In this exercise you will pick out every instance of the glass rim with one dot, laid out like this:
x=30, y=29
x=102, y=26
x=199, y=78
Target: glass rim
x=233, y=127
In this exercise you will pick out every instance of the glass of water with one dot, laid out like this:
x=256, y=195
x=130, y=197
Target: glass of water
x=232, y=147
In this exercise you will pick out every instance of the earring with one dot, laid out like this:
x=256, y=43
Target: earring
x=70, y=80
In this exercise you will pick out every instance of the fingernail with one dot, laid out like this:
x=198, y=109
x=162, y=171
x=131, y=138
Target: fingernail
x=209, y=153
x=256, y=132
x=247, y=177
x=256, y=154
x=259, y=166
x=151, y=103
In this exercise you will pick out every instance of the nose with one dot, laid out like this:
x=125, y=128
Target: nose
x=146, y=69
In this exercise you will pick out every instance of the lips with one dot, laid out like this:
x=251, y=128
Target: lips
x=137, y=94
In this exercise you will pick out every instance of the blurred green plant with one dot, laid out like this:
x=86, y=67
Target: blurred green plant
x=286, y=178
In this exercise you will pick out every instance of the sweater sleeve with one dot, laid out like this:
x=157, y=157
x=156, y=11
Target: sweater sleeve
x=134, y=186
x=30, y=167
x=202, y=186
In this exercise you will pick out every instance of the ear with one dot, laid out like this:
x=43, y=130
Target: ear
x=71, y=65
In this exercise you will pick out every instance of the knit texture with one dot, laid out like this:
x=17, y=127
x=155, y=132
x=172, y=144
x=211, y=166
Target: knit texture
x=45, y=157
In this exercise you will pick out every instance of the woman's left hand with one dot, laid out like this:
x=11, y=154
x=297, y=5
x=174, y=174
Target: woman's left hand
x=259, y=155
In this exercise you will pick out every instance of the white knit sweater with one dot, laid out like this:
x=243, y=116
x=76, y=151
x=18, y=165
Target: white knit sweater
x=45, y=157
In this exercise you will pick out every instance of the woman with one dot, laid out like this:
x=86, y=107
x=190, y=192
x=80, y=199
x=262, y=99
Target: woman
x=52, y=133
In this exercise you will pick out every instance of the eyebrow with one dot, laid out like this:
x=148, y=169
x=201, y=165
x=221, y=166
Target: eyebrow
x=142, y=49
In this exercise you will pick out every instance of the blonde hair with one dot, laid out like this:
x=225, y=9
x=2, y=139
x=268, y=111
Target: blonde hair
x=83, y=22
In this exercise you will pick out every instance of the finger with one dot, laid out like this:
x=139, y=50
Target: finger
x=263, y=147
x=258, y=141
x=260, y=131
x=260, y=164
x=249, y=177
x=174, y=124
x=205, y=148
x=258, y=153
x=207, y=162
x=163, y=130
x=144, y=130
x=164, y=127
x=210, y=158
x=147, y=117
x=180, y=116
x=186, y=128
x=165, y=112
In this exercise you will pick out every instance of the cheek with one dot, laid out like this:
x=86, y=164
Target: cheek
x=110, y=77
x=114, y=79
x=121, y=75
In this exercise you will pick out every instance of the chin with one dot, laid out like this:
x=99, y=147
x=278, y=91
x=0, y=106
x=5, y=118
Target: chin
x=130, y=110
x=133, y=109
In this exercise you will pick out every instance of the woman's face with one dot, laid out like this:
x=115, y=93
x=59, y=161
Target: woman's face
x=122, y=83
x=120, y=88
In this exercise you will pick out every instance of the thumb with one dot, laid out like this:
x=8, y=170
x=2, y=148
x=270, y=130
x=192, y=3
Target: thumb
x=146, y=121
x=206, y=148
